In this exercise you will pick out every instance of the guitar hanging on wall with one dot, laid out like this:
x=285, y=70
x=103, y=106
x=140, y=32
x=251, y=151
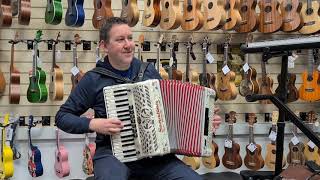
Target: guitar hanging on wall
x=61, y=164
x=249, y=19
x=34, y=155
x=270, y=19
x=130, y=12
x=14, y=89
x=75, y=15
x=7, y=166
x=151, y=15
x=170, y=14
x=290, y=12
x=214, y=14
x=102, y=11
x=310, y=17
x=5, y=13
x=24, y=12
x=192, y=19
x=77, y=74
x=311, y=151
x=54, y=12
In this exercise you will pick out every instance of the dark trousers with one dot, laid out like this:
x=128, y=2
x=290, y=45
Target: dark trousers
x=167, y=167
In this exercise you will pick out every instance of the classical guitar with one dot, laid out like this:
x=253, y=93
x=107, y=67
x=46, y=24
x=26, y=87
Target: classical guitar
x=270, y=19
x=253, y=159
x=249, y=18
x=56, y=82
x=214, y=14
x=310, y=89
x=77, y=74
x=151, y=15
x=53, y=13
x=310, y=17
x=212, y=161
x=170, y=14
x=7, y=166
x=88, y=153
x=296, y=149
x=174, y=72
x=233, y=18
x=61, y=164
x=159, y=68
x=24, y=12
x=34, y=163
x=192, y=19
x=5, y=13
x=75, y=13
x=290, y=12
x=311, y=151
x=226, y=88
x=231, y=158
x=14, y=86
x=130, y=12
x=292, y=91
x=248, y=84
x=102, y=10
x=265, y=84
x=191, y=75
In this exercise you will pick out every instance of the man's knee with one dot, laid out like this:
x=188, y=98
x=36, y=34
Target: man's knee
x=110, y=168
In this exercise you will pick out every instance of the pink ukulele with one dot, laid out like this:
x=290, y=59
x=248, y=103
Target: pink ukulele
x=61, y=164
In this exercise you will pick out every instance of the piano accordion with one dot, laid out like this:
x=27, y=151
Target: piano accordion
x=160, y=117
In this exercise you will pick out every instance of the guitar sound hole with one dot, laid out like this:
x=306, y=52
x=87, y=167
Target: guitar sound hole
x=125, y=2
x=244, y=9
x=273, y=151
x=288, y=7
x=189, y=8
x=210, y=5
x=309, y=11
x=311, y=149
x=295, y=149
x=166, y=5
x=99, y=5
x=227, y=6
x=149, y=2
x=268, y=9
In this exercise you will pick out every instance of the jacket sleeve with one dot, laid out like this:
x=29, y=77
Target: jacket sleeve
x=80, y=100
x=151, y=73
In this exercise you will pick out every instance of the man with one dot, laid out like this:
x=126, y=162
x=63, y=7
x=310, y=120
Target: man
x=116, y=41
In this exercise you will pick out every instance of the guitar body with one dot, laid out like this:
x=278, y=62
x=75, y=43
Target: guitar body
x=5, y=13
x=102, y=10
x=233, y=18
x=8, y=167
x=291, y=18
x=24, y=12
x=265, y=88
x=214, y=14
x=192, y=162
x=194, y=77
x=295, y=155
x=61, y=164
x=76, y=79
x=213, y=160
x=292, y=91
x=53, y=13
x=14, y=89
x=56, y=85
x=2, y=83
x=75, y=13
x=311, y=18
x=249, y=84
x=226, y=88
x=253, y=160
x=270, y=160
x=163, y=73
x=270, y=19
x=88, y=153
x=170, y=14
x=130, y=12
x=192, y=19
x=41, y=75
x=249, y=19
x=177, y=74
x=311, y=154
x=231, y=158
x=151, y=14
x=33, y=92
x=309, y=90
x=34, y=164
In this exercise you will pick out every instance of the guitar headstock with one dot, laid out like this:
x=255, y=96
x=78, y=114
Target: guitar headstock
x=38, y=35
x=232, y=117
x=77, y=39
x=141, y=39
x=252, y=118
x=205, y=43
x=311, y=117
x=173, y=41
x=57, y=38
x=249, y=38
x=30, y=125
x=161, y=38
x=275, y=117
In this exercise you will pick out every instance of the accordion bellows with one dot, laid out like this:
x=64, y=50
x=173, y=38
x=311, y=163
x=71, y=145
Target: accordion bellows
x=161, y=117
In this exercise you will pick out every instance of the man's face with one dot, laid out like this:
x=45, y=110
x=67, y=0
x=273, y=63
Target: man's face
x=120, y=47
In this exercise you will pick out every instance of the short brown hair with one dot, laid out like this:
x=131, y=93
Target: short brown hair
x=107, y=25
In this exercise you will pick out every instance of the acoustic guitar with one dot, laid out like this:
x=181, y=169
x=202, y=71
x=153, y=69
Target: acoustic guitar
x=231, y=158
x=192, y=19
x=6, y=164
x=270, y=19
x=265, y=84
x=130, y=12
x=61, y=164
x=296, y=149
x=140, y=46
x=214, y=14
x=13, y=128
x=292, y=91
x=310, y=17
x=78, y=74
x=34, y=156
x=5, y=13
x=249, y=19
x=102, y=11
x=88, y=153
x=290, y=12
x=170, y=14
x=191, y=75
x=253, y=159
x=311, y=152
x=233, y=18
x=75, y=13
x=53, y=13
x=212, y=161
x=174, y=72
x=14, y=86
x=151, y=14
x=24, y=12
x=161, y=70
x=56, y=82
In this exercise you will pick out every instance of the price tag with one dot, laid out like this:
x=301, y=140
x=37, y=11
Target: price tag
x=311, y=145
x=316, y=123
x=59, y=55
x=290, y=62
x=245, y=67
x=252, y=147
x=75, y=70
x=9, y=133
x=39, y=61
x=171, y=62
x=32, y=51
x=295, y=140
x=210, y=58
x=228, y=143
x=273, y=136
x=225, y=69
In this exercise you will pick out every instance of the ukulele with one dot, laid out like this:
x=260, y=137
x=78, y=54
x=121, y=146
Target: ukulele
x=212, y=161
x=75, y=13
x=270, y=159
x=270, y=19
x=233, y=17
x=310, y=17
x=88, y=153
x=102, y=11
x=37, y=90
x=170, y=14
x=310, y=149
x=61, y=164
x=140, y=46
x=56, y=82
x=130, y=12
x=13, y=128
x=291, y=18
x=253, y=159
x=14, y=86
x=249, y=19
x=292, y=91
x=5, y=13
x=24, y=12
x=78, y=74
x=191, y=75
x=310, y=89
x=214, y=14
x=192, y=19
x=54, y=11
x=231, y=158
x=174, y=73
x=226, y=88
x=265, y=84
x=34, y=155
x=161, y=70
x=296, y=148
x=7, y=165
x=151, y=14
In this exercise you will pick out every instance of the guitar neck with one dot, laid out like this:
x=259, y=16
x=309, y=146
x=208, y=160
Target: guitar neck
x=188, y=63
x=251, y=134
x=226, y=53
x=158, y=57
x=35, y=59
x=264, y=73
x=230, y=132
x=12, y=57
x=75, y=56
x=54, y=55
x=310, y=63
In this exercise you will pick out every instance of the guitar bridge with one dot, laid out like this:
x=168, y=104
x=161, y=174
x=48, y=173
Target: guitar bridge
x=210, y=19
x=147, y=16
x=188, y=20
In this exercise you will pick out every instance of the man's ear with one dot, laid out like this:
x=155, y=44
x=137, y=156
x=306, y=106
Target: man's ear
x=102, y=45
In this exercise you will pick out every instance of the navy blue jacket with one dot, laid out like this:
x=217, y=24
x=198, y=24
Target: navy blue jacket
x=88, y=94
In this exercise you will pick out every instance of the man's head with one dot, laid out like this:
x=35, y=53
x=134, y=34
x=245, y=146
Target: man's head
x=117, y=42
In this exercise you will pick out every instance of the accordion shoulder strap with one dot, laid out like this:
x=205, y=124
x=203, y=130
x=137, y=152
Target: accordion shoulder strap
x=142, y=69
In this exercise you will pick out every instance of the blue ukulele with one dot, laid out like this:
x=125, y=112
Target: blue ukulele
x=75, y=13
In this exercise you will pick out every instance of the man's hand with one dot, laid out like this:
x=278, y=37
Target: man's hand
x=216, y=119
x=109, y=126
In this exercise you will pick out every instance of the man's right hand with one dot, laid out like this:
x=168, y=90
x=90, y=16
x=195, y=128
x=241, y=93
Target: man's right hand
x=105, y=126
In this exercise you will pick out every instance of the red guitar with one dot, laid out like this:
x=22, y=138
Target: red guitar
x=88, y=153
x=61, y=165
